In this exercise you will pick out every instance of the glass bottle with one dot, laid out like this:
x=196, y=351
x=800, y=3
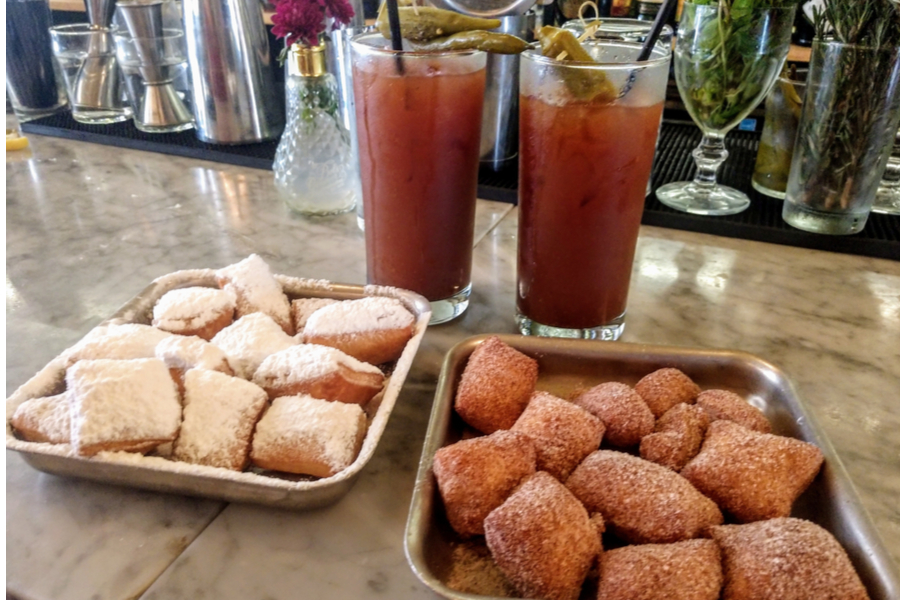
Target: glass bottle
x=315, y=168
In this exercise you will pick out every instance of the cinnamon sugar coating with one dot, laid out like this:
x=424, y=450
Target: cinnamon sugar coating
x=642, y=502
x=722, y=404
x=688, y=570
x=787, y=559
x=678, y=436
x=625, y=414
x=664, y=388
x=563, y=433
x=495, y=386
x=475, y=476
x=542, y=539
x=753, y=476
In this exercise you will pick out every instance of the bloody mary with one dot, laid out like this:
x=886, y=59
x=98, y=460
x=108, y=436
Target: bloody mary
x=419, y=142
x=583, y=172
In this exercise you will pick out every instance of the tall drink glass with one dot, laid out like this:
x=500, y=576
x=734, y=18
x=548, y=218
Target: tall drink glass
x=418, y=118
x=583, y=169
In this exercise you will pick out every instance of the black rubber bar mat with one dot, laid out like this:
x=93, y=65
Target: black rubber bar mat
x=761, y=222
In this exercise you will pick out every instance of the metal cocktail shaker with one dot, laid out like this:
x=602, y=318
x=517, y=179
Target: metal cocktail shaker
x=235, y=100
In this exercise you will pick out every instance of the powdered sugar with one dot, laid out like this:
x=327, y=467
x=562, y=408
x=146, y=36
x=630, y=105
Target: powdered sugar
x=331, y=429
x=191, y=308
x=306, y=362
x=48, y=416
x=249, y=340
x=303, y=308
x=121, y=401
x=366, y=314
x=182, y=352
x=127, y=341
x=256, y=289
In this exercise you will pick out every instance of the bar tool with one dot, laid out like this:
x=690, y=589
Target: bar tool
x=235, y=100
x=97, y=80
x=160, y=106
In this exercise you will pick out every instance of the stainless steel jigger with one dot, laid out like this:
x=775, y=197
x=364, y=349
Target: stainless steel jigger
x=97, y=81
x=160, y=105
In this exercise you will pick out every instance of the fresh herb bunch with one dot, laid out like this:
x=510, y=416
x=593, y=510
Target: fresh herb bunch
x=837, y=143
x=732, y=65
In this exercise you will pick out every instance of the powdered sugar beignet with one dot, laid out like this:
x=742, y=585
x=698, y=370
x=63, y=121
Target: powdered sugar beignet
x=249, y=340
x=304, y=435
x=199, y=311
x=44, y=419
x=256, y=290
x=374, y=329
x=321, y=372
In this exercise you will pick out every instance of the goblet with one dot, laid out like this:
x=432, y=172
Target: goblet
x=726, y=60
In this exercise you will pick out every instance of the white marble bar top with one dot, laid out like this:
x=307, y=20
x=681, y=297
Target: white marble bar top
x=89, y=226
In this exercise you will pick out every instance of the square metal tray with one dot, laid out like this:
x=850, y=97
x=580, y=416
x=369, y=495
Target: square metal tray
x=159, y=474
x=567, y=365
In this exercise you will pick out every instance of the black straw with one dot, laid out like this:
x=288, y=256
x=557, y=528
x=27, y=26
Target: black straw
x=396, y=39
x=665, y=11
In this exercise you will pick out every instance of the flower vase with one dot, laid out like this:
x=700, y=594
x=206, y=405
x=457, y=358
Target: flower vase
x=315, y=171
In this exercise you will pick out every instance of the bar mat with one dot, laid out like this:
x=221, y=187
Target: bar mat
x=761, y=222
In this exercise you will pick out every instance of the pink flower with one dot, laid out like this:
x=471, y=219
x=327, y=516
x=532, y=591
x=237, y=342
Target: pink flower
x=303, y=20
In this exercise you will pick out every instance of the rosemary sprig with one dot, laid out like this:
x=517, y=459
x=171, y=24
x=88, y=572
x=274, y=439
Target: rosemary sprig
x=837, y=144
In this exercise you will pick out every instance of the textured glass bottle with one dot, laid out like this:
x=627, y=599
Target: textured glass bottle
x=315, y=169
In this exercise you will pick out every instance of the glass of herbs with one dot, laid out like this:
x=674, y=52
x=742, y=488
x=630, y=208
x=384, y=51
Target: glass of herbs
x=727, y=57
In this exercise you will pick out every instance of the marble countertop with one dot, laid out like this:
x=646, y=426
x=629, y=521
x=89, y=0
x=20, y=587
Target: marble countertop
x=89, y=226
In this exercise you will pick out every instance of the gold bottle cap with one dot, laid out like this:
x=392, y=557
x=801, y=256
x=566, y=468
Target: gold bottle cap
x=307, y=61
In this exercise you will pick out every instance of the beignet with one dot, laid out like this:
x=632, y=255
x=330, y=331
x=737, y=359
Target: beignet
x=374, y=329
x=787, y=559
x=321, y=372
x=120, y=342
x=307, y=436
x=722, y=404
x=198, y=311
x=641, y=502
x=495, y=386
x=542, y=539
x=751, y=475
x=220, y=413
x=249, y=340
x=475, y=476
x=625, y=414
x=129, y=405
x=44, y=419
x=256, y=290
x=563, y=433
x=677, y=437
x=664, y=388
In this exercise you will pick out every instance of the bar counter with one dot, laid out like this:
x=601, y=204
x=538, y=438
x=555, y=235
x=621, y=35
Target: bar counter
x=90, y=226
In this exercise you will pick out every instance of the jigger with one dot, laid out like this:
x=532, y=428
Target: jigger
x=97, y=81
x=160, y=105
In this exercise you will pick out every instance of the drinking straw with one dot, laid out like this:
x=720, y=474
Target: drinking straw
x=665, y=11
x=396, y=39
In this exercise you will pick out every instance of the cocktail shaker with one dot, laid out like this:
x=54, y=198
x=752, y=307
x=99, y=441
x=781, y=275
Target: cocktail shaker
x=235, y=100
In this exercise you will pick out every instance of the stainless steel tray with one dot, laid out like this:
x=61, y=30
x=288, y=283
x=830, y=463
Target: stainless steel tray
x=565, y=365
x=158, y=474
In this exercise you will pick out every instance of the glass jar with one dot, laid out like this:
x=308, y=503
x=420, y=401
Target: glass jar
x=315, y=168
x=776, y=144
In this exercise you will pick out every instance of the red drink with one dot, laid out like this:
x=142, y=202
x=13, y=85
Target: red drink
x=419, y=142
x=583, y=175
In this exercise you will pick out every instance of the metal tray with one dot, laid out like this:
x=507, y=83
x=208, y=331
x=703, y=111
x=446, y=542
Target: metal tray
x=158, y=474
x=566, y=365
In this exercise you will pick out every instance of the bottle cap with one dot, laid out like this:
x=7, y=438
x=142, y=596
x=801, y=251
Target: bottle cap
x=307, y=61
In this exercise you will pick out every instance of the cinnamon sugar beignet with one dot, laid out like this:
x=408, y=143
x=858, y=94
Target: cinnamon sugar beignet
x=220, y=413
x=751, y=475
x=373, y=329
x=787, y=559
x=198, y=311
x=321, y=372
x=688, y=570
x=307, y=436
x=625, y=414
x=677, y=437
x=664, y=388
x=641, y=502
x=44, y=419
x=722, y=404
x=495, y=386
x=256, y=290
x=542, y=539
x=129, y=405
x=563, y=433
x=475, y=476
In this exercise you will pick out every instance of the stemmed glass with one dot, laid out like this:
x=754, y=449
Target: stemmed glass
x=726, y=60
